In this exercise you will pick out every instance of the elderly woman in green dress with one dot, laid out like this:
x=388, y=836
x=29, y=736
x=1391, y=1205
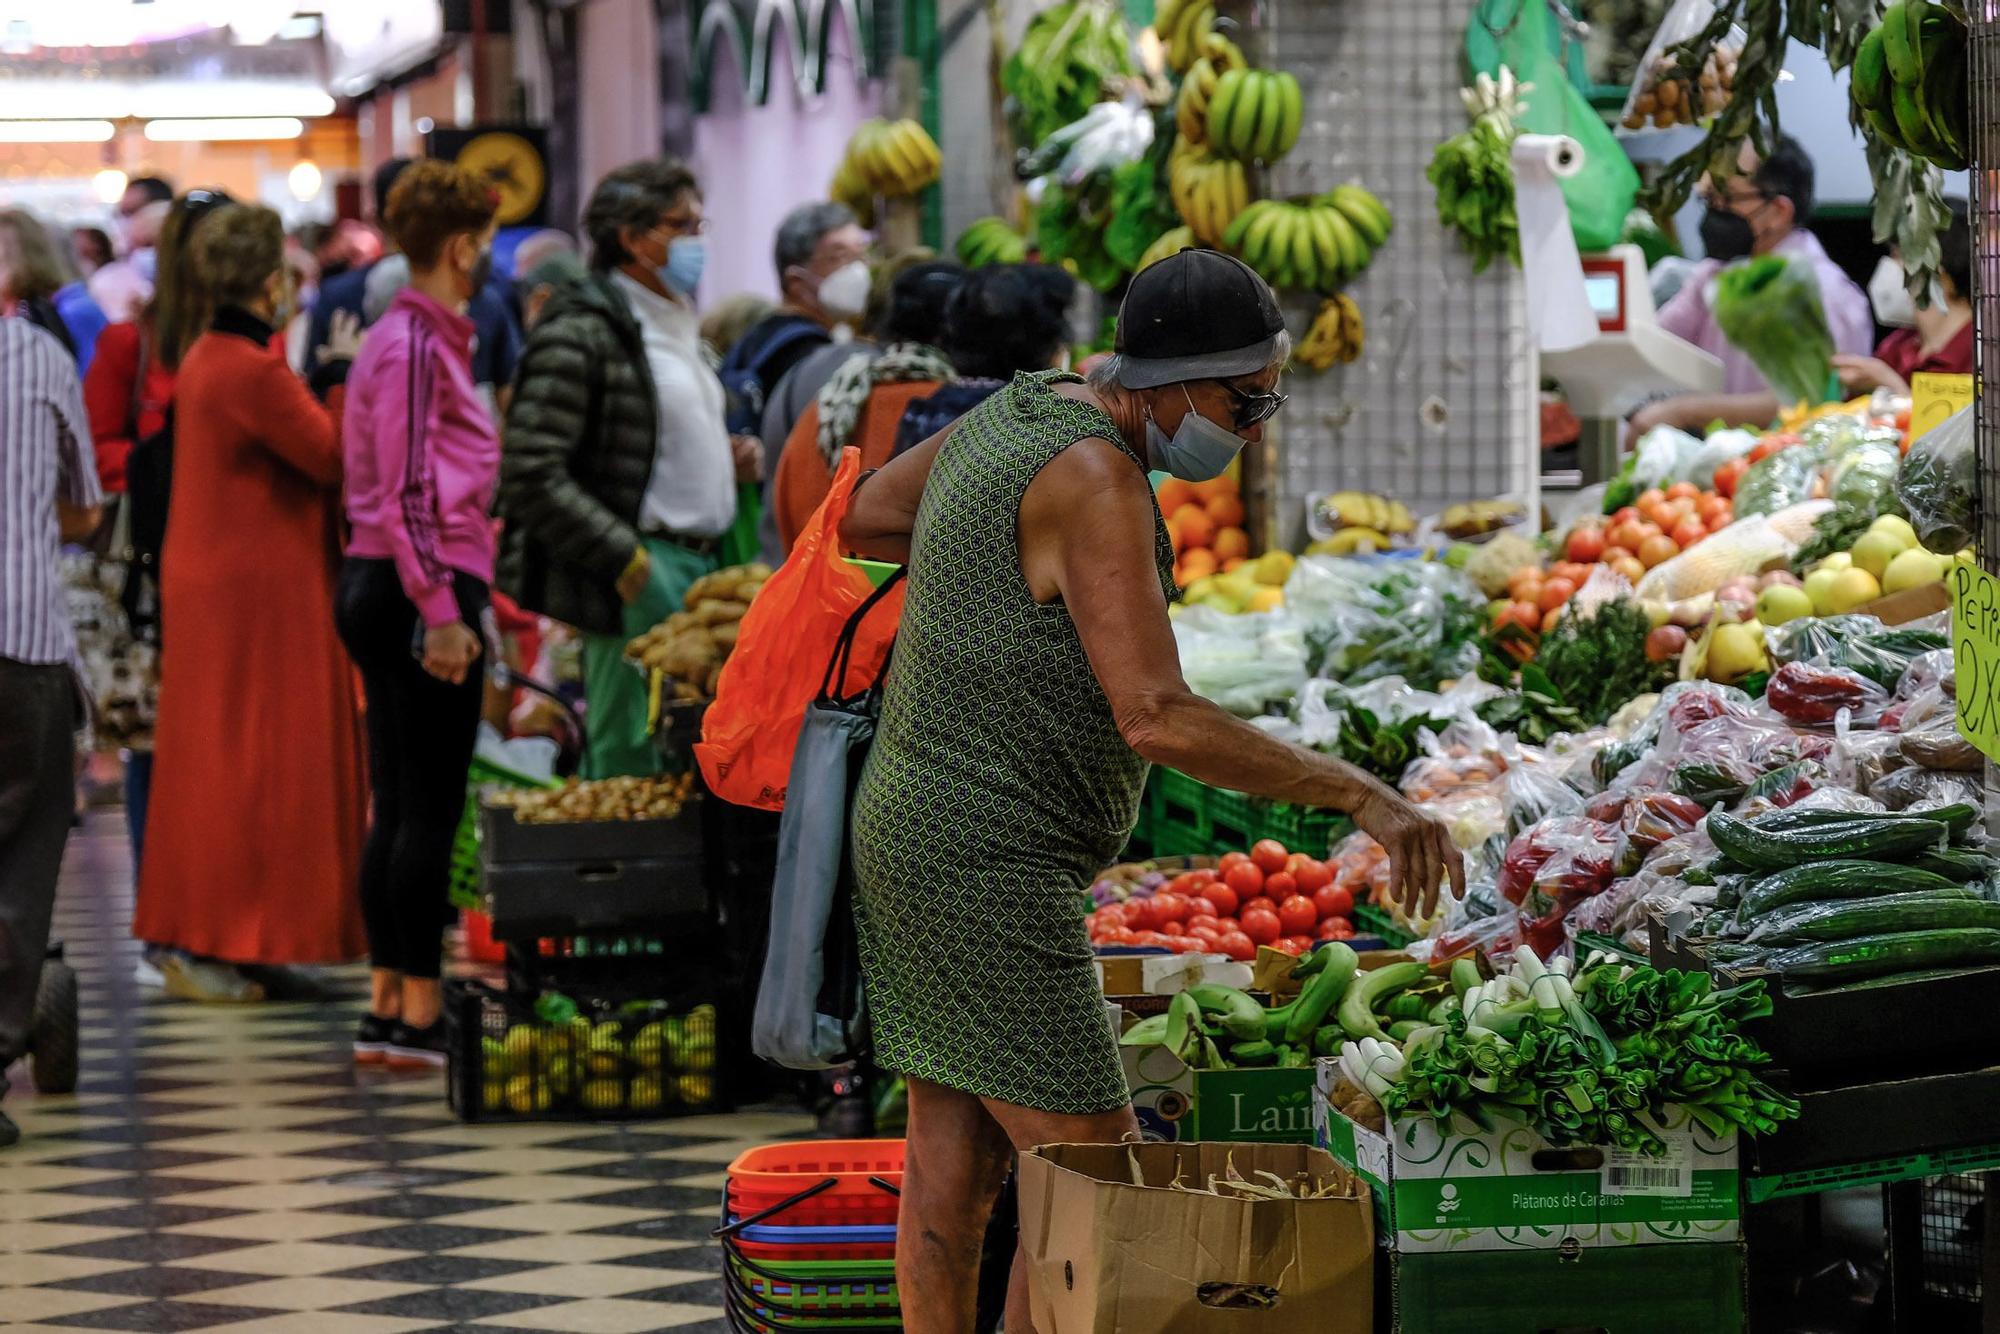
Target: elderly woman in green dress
x=1034, y=681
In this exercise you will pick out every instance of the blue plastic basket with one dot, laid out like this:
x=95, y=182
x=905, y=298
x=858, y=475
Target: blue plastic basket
x=819, y=1236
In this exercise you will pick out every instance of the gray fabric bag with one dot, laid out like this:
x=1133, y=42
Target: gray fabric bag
x=810, y=1014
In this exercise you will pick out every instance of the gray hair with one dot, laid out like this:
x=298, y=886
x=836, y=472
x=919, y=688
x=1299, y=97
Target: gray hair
x=635, y=195
x=538, y=246
x=803, y=229
x=1107, y=373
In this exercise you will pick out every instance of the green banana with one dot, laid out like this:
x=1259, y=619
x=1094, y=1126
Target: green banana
x=1357, y=1008
x=1901, y=41
x=1870, y=77
x=1363, y=211
x=1256, y=1052
x=1146, y=1033
x=1908, y=107
x=1353, y=250
x=1269, y=111
x=1246, y=116
x=1229, y=90
x=1304, y=251
x=1326, y=245
x=1291, y=115
x=1238, y=1014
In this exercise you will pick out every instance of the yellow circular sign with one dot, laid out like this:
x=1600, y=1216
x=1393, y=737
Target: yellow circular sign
x=509, y=164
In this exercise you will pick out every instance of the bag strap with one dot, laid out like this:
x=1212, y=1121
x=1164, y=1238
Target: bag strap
x=137, y=404
x=843, y=649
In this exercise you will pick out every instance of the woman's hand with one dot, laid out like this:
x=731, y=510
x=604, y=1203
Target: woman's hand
x=1864, y=375
x=748, y=453
x=344, y=336
x=1421, y=853
x=638, y=573
x=450, y=650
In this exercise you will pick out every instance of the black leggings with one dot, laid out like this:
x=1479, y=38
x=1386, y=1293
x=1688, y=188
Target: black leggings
x=420, y=736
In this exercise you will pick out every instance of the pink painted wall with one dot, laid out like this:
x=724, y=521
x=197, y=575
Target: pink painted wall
x=758, y=163
x=620, y=74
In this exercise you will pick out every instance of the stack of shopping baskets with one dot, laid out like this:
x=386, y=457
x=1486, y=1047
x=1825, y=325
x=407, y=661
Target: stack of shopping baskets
x=809, y=1237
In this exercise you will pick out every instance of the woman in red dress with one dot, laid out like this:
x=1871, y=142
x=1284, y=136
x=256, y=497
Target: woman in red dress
x=1936, y=338
x=254, y=837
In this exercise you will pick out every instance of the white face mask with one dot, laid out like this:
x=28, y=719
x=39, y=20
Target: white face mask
x=1890, y=297
x=843, y=294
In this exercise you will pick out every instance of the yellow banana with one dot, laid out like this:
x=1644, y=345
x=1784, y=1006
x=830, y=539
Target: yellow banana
x=1363, y=210
x=1353, y=250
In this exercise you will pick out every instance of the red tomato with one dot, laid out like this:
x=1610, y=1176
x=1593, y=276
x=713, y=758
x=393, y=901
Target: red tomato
x=1201, y=905
x=1586, y=544
x=1229, y=862
x=1210, y=941
x=1122, y=936
x=1550, y=617
x=1626, y=535
x=1246, y=878
x=1556, y=592
x=1648, y=498
x=1279, y=887
x=1237, y=945
x=1331, y=928
x=1223, y=897
x=1768, y=446
x=1680, y=489
x=1168, y=907
x=1624, y=514
x=1524, y=614
x=1200, y=922
x=1729, y=474
x=1657, y=549
x=1613, y=553
x=1297, y=945
x=1334, y=901
x=1188, y=882
x=1297, y=914
x=1270, y=855
x=1670, y=512
x=1173, y=929
x=1136, y=913
x=1343, y=929
x=1262, y=926
x=1688, y=532
x=1313, y=876
x=1294, y=862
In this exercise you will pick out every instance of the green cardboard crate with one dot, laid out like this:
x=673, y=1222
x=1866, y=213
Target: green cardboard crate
x=1626, y=1290
x=1508, y=1189
x=1173, y=1102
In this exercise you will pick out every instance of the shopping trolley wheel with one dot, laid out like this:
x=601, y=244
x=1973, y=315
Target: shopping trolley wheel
x=52, y=1034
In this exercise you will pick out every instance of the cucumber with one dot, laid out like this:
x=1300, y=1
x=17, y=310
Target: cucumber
x=1843, y=879
x=1864, y=837
x=1956, y=864
x=1957, y=818
x=1929, y=910
x=1878, y=956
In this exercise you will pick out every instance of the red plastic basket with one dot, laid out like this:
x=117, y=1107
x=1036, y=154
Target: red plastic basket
x=823, y=1210
x=480, y=947
x=866, y=1176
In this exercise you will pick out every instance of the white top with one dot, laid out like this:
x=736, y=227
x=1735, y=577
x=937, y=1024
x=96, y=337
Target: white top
x=693, y=490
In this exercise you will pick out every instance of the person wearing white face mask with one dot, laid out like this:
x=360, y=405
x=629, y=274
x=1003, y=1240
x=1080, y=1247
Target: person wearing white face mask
x=618, y=472
x=1936, y=338
x=1034, y=681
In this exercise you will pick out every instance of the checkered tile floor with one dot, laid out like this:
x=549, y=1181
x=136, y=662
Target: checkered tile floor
x=228, y=1166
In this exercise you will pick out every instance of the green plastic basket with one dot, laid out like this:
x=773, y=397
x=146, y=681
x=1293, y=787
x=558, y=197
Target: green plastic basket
x=1377, y=922
x=1183, y=817
x=808, y=1297
x=484, y=773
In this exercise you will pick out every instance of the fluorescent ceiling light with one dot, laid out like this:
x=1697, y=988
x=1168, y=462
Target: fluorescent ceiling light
x=55, y=131
x=226, y=127
x=72, y=99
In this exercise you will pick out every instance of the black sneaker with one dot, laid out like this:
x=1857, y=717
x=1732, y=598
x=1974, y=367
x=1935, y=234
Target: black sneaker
x=415, y=1048
x=371, y=1039
x=9, y=1132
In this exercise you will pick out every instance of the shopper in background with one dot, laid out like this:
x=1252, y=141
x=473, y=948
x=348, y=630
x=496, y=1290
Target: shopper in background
x=534, y=286
x=1936, y=338
x=1034, y=679
x=1005, y=319
x=726, y=321
x=863, y=402
x=1761, y=210
x=529, y=254
x=254, y=837
x=343, y=289
x=30, y=275
x=128, y=392
x=618, y=474
x=50, y=497
x=90, y=248
x=122, y=287
x=422, y=457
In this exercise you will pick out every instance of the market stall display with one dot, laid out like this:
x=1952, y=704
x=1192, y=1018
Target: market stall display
x=1266, y=896
x=690, y=646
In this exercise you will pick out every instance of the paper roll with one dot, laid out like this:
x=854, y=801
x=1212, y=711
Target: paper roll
x=1559, y=313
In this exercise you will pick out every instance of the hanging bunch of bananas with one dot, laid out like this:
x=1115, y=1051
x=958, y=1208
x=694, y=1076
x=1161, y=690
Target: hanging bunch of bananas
x=849, y=187
x=1170, y=243
x=892, y=158
x=1208, y=192
x=1254, y=115
x=1181, y=25
x=1314, y=243
x=1219, y=56
x=1910, y=82
x=990, y=241
x=1473, y=172
x=1334, y=337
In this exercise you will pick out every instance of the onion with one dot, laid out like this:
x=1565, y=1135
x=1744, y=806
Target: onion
x=1152, y=880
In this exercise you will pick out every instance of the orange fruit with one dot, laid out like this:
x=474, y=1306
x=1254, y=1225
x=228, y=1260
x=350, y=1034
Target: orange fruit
x=1231, y=543
x=1198, y=563
x=1227, y=511
x=1175, y=535
x=1224, y=485
x=1197, y=529
x=1234, y=563
x=1174, y=493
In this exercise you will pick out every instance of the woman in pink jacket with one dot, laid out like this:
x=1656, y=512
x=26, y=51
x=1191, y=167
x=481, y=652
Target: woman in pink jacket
x=422, y=458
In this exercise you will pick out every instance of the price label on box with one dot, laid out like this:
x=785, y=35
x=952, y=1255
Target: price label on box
x=1975, y=645
x=1934, y=397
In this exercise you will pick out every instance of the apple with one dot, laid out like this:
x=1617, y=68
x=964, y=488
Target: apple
x=1912, y=569
x=1780, y=603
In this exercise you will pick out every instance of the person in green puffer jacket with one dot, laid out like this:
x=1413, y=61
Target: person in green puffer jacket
x=613, y=506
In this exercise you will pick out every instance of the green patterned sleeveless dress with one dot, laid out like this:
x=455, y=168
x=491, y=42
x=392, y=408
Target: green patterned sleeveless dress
x=997, y=788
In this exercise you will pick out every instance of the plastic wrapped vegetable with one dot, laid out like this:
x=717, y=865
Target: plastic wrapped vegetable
x=1719, y=448
x=1661, y=458
x=1778, y=480
x=1813, y=696
x=1937, y=484
x=1243, y=663
x=1769, y=307
x=1865, y=476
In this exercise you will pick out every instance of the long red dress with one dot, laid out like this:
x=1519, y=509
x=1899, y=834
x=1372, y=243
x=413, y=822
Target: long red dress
x=253, y=841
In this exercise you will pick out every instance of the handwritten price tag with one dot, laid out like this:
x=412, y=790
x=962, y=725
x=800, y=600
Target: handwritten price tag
x=1975, y=632
x=1935, y=396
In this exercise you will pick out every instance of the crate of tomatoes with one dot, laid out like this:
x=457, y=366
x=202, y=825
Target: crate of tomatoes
x=1227, y=905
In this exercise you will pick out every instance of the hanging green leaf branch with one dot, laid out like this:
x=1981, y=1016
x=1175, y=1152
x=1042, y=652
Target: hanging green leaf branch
x=1909, y=190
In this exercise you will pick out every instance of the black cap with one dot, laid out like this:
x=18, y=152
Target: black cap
x=1197, y=315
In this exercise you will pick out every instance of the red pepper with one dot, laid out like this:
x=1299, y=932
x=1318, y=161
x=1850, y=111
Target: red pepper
x=1808, y=694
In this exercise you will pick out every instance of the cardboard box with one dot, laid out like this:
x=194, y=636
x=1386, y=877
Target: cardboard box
x=1623, y=1290
x=1173, y=1102
x=1912, y=604
x=1163, y=974
x=1509, y=1189
x=1106, y=1254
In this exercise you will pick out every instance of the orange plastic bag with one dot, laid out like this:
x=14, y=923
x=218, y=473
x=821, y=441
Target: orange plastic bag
x=782, y=650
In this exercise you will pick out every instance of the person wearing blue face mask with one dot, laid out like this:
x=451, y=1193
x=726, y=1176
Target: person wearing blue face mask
x=618, y=475
x=1035, y=680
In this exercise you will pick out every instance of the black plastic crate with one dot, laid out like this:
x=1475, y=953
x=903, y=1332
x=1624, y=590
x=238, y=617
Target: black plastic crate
x=1909, y=1117
x=505, y=841
x=1890, y=1027
x=535, y=899
x=629, y=1061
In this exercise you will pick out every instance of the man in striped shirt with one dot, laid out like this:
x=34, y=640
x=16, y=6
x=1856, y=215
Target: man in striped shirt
x=48, y=495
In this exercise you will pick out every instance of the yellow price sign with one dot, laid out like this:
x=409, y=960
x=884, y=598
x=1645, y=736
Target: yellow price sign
x=1975, y=646
x=1935, y=396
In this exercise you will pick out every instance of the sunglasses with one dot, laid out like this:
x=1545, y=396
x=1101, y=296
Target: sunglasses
x=1253, y=407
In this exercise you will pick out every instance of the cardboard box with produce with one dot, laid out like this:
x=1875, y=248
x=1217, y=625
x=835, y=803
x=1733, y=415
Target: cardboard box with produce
x=1536, y=1113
